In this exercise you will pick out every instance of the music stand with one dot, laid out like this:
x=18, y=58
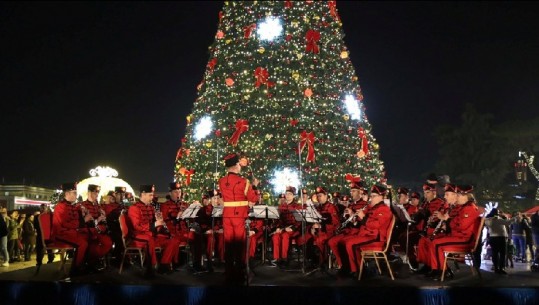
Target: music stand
x=266, y=212
x=404, y=217
x=191, y=213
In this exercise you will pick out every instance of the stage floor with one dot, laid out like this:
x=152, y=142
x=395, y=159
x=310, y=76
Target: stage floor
x=269, y=285
x=265, y=275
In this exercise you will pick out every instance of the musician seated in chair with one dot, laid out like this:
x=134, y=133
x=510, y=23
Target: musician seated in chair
x=458, y=226
x=349, y=224
x=100, y=243
x=66, y=226
x=323, y=230
x=375, y=220
x=286, y=228
x=151, y=232
x=172, y=210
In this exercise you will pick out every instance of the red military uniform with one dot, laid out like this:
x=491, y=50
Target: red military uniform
x=100, y=242
x=352, y=229
x=428, y=225
x=462, y=229
x=66, y=224
x=281, y=241
x=330, y=222
x=237, y=192
x=374, y=229
x=177, y=226
x=142, y=219
x=257, y=227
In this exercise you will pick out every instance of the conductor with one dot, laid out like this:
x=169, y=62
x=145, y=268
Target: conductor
x=237, y=192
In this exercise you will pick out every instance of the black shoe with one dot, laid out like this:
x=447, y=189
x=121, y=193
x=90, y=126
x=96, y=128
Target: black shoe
x=273, y=263
x=423, y=270
x=431, y=273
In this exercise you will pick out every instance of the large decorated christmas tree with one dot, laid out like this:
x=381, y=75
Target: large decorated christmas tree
x=279, y=88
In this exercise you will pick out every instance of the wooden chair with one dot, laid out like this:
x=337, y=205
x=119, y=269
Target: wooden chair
x=49, y=244
x=376, y=251
x=130, y=249
x=464, y=253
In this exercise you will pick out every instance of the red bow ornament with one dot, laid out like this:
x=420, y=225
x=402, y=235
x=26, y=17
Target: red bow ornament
x=333, y=9
x=211, y=64
x=312, y=38
x=262, y=76
x=364, y=142
x=351, y=178
x=188, y=174
x=241, y=127
x=247, y=30
x=307, y=139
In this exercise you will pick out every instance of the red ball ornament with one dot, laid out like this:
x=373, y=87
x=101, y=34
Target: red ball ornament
x=294, y=122
x=220, y=34
x=218, y=133
x=308, y=92
x=229, y=82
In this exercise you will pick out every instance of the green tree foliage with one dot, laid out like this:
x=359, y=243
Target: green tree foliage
x=278, y=92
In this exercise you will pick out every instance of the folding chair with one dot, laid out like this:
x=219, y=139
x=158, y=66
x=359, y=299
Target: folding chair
x=378, y=250
x=464, y=253
x=49, y=243
x=130, y=249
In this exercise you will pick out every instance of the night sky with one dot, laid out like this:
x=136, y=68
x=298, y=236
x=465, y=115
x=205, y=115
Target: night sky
x=99, y=83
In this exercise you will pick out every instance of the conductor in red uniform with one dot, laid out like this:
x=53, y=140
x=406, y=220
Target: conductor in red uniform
x=237, y=192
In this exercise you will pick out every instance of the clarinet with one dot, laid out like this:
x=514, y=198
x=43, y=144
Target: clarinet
x=158, y=214
x=439, y=228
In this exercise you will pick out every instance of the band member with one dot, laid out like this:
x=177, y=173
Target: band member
x=237, y=192
x=326, y=228
x=401, y=223
x=256, y=234
x=375, y=220
x=198, y=236
x=112, y=210
x=424, y=243
x=148, y=231
x=286, y=228
x=461, y=229
x=99, y=242
x=119, y=194
x=172, y=211
x=66, y=224
x=217, y=232
x=410, y=238
x=349, y=223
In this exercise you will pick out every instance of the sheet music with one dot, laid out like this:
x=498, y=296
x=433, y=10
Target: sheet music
x=402, y=213
x=310, y=214
x=217, y=211
x=259, y=211
x=192, y=210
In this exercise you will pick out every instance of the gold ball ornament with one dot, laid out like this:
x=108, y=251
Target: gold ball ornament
x=344, y=54
x=299, y=55
x=266, y=196
x=295, y=76
x=346, y=117
x=375, y=146
x=209, y=144
x=189, y=118
x=354, y=78
x=261, y=50
x=294, y=23
x=228, y=41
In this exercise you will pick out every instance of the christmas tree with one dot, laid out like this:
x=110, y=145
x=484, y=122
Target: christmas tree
x=279, y=88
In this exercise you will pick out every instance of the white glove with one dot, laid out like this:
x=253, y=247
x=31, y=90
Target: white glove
x=489, y=207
